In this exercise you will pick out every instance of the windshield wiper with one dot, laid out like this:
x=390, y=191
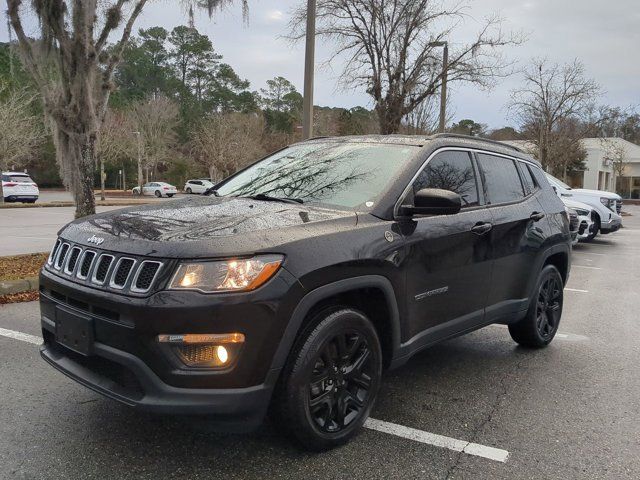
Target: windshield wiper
x=269, y=198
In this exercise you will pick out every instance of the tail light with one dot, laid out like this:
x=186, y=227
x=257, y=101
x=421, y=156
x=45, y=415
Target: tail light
x=165, y=188
x=10, y=184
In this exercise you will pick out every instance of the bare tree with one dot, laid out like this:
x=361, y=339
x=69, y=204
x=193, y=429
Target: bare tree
x=116, y=141
x=156, y=119
x=552, y=93
x=392, y=50
x=21, y=131
x=226, y=142
x=73, y=68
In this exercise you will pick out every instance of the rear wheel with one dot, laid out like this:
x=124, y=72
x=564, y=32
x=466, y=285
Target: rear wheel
x=541, y=324
x=170, y=195
x=331, y=380
x=595, y=229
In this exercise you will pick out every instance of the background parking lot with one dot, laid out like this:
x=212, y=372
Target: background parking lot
x=569, y=411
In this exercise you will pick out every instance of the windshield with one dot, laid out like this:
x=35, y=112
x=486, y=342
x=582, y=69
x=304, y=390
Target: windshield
x=344, y=175
x=560, y=183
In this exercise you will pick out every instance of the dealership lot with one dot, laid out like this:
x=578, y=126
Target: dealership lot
x=474, y=407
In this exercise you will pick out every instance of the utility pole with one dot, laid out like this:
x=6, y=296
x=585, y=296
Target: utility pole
x=140, y=181
x=309, y=68
x=443, y=89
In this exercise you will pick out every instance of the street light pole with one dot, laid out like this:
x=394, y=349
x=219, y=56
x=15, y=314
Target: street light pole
x=309, y=67
x=443, y=90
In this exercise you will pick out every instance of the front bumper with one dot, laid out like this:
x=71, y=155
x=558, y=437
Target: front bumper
x=126, y=363
x=610, y=226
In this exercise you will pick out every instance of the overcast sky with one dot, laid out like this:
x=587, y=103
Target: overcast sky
x=605, y=36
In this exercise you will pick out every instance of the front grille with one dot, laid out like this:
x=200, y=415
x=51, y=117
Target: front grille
x=573, y=222
x=619, y=206
x=102, y=269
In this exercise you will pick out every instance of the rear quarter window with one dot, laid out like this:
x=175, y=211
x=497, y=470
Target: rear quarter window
x=500, y=179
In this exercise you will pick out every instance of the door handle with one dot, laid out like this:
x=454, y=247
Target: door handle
x=536, y=216
x=481, y=228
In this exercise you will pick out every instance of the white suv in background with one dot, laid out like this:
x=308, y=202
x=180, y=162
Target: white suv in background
x=19, y=187
x=606, y=205
x=585, y=218
x=200, y=185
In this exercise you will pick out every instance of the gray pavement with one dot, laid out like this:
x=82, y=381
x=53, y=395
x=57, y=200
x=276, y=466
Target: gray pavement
x=571, y=411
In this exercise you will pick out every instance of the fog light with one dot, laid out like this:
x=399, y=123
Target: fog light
x=205, y=350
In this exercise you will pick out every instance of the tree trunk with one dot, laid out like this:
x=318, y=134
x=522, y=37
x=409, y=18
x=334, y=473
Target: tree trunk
x=76, y=157
x=1, y=190
x=212, y=173
x=390, y=119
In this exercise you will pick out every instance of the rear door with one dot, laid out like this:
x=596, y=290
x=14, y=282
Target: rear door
x=517, y=235
x=448, y=266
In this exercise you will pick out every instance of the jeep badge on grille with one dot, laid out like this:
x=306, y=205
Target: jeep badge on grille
x=96, y=240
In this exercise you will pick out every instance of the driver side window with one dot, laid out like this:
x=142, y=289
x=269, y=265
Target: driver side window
x=451, y=170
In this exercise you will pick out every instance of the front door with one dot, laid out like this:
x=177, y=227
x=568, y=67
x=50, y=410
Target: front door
x=448, y=265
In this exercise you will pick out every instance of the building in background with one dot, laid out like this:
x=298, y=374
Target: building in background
x=612, y=164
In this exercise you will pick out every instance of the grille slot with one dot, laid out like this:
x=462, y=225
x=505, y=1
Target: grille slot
x=122, y=271
x=145, y=276
x=54, y=250
x=100, y=273
x=61, y=256
x=85, y=264
x=73, y=260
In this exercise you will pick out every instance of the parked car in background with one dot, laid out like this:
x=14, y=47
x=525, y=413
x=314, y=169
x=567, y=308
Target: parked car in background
x=158, y=189
x=19, y=187
x=606, y=205
x=585, y=218
x=200, y=185
x=574, y=224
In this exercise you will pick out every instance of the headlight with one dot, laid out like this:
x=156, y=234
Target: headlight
x=234, y=275
x=605, y=201
x=582, y=213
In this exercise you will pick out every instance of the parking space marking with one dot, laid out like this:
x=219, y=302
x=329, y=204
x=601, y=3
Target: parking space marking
x=575, y=290
x=24, y=337
x=491, y=453
x=585, y=266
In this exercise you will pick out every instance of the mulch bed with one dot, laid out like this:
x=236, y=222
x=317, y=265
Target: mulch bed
x=21, y=266
x=19, y=297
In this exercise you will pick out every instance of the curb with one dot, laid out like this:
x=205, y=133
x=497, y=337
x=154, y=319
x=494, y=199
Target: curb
x=8, y=287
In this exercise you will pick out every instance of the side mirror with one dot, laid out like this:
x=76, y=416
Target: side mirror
x=434, y=201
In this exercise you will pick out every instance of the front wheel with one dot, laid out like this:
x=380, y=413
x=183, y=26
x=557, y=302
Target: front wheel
x=158, y=194
x=189, y=191
x=541, y=324
x=331, y=379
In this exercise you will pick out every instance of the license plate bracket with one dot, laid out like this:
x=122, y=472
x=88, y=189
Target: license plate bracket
x=74, y=331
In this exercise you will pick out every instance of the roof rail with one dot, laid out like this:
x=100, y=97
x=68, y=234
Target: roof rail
x=479, y=139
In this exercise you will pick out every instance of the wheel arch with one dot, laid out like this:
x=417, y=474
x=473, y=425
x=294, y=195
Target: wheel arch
x=373, y=295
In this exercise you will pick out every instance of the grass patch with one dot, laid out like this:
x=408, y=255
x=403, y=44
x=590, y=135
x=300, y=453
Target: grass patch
x=21, y=266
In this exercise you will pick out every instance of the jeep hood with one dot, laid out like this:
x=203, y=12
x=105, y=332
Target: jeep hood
x=205, y=226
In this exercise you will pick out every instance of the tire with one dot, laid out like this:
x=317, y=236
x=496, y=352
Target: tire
x=323, y=407
x=540, y=326
x=596, y=230
x=170, y=195
x=158, y=194
x=189, y=191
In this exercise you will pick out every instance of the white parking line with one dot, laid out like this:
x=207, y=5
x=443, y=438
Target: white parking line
x=491, y=453
x=585, y=266
x=575, y=290
x=24, y=337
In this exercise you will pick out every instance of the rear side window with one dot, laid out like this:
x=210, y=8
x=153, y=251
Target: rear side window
x=527, y=178
x=500, y=179
x=450, y=170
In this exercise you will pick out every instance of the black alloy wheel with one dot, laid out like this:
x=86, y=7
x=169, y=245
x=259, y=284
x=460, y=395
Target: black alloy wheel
x=548, y=307
x=340, y=381
x=540, y=325
x=330, y=381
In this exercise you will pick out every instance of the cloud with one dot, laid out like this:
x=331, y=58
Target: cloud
x=275, y=16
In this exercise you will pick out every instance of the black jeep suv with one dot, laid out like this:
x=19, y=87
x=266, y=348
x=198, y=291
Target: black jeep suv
x=296, y=281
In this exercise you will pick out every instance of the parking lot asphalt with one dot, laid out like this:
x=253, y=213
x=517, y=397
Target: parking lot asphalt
x=571, y=411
